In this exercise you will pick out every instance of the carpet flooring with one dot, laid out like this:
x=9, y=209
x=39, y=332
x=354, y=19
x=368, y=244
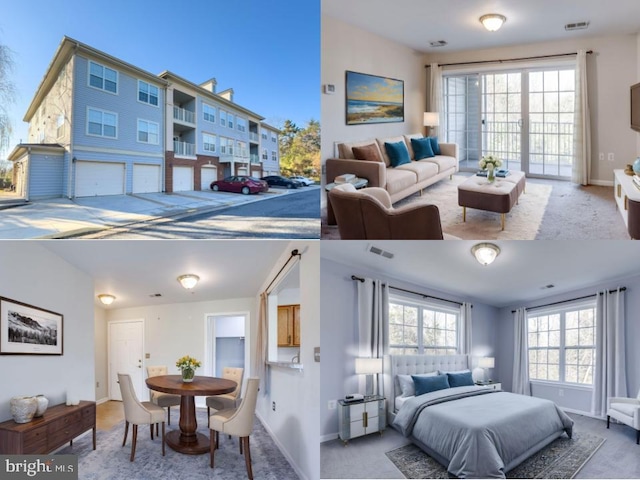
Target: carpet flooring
x=110, y=461
x=563, y=458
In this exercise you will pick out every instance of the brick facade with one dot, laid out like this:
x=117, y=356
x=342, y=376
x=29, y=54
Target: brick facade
x=171, y=160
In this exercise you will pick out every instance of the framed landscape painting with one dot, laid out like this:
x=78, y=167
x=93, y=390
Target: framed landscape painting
x=373, y=99
x=29, y=330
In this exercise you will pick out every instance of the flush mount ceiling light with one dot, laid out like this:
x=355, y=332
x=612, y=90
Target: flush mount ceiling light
x=485, y=253
x=106, y=299
x=492, y=21
x=188, y=281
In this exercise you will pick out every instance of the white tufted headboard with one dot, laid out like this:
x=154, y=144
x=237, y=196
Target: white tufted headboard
x=412, y=365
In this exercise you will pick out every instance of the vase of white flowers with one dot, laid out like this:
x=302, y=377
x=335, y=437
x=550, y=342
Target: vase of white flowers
x=490, y=163
x=187, y=366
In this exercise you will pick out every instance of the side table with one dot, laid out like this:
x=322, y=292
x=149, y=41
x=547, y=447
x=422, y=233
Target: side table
x=363, y=417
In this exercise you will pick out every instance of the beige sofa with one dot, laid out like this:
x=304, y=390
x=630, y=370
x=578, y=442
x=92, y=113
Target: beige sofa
x=401, y=181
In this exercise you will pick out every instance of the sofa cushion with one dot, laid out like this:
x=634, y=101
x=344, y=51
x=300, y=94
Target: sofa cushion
x=443, y=162
x=345, y=149
x=422, y=148
x=435, y=146
x=399, y=179
x=398, y=153
x=423, y=170
x=382, y=141
x=407, y=140
x=369, y=152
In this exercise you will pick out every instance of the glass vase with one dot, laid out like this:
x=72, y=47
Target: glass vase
x=491, y=176
x=188, y=374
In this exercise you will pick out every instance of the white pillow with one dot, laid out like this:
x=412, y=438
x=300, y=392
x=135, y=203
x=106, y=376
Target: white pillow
x=406, y=383
x=466, y=370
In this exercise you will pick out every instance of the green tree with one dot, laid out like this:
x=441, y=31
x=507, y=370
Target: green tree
x=300, y=149
x=7, y=95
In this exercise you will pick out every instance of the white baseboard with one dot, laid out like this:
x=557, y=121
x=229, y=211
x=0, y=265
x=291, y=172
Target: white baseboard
x=102, y=400
x=580, y=412
x=329, y=437
x=601, y=183
x=281, y=448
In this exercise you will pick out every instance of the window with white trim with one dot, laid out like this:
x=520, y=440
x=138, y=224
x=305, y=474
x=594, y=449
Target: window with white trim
x=223, y=118
x=243, y=149
x=265, y=154
x=60, y=126
x=148, y=132
x=422, y=327
x=274, y=156
x=101, y=123
x=561, y=344
x=209, y=113
x=274, y=138
x=148, y=93
x=230, y=119
x=265, y=136
x=103, y=78
x=209, y=142
x=226, y=145
x=241, y=124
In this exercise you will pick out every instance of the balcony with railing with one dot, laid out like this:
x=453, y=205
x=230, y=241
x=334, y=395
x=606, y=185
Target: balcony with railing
x=184, y=149
x=255, y=158
x=184, y=116
x=230, y=155
x=254, y=137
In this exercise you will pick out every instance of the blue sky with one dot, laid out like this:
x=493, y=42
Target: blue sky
x=268, y=51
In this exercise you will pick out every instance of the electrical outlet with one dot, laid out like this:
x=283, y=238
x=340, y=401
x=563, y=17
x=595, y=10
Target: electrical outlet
x=97, y=384
x=273, y=406
x=332, y=404
x=601, y=157
x=561, y=392
x=611, y=157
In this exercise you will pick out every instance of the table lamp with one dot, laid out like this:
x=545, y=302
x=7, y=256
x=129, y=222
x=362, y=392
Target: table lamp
x=484, y=363
x=368, y=367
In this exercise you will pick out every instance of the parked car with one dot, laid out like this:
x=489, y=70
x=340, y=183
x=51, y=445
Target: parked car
x=278, y=181
x=240, y=184
x=303, y=180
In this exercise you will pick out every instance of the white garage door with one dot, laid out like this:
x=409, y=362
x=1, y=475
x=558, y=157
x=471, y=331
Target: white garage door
x=99, y=178
x=182, y=179
x=146, y=178
x=243, y=171
x=208, y=175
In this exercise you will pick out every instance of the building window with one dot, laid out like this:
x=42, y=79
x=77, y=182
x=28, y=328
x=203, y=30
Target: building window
x=241, y=124
x=274, y=138
x=60, y=126
x=230, y=120
x=274, y=156
x=223, y=118
x=265, y=136
x=422, y=328
x=103, y=77
x=148, y=93
x=562, y=344
x=226, y=146
x=148, y=132
x=101, y=123
x=242, y=149
x=265, y=154
x=209, y=142
x=209, y=113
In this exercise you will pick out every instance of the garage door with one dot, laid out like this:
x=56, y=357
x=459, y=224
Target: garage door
x=99, y=178
x=182, y=179
x=146, y=178
x=243, y=171
x=208, y=175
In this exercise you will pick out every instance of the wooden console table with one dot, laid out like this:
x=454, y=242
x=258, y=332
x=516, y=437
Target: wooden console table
x=627, y=196
x=59, y=424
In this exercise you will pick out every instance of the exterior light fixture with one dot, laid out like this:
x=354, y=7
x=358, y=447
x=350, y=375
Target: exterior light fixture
x=188, y=281
x=485, y=253
x=493, y=21
x=106, y=299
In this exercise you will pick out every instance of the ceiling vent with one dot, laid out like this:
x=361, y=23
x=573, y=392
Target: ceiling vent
x=379, y=251
x=437, y=44
x=155, y=295
x=576, y=26
x=546, y=287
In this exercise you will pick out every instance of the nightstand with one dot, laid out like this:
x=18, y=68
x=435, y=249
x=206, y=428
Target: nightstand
x=356, y=419
x=491, y=385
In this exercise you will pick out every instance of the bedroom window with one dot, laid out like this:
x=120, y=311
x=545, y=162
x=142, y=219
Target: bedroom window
x=422, y=328
x=562, y=345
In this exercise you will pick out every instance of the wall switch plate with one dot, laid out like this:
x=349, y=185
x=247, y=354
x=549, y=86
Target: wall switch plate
x=316, y=354
x=332, y=404
x=611, y=157
x=601, y=157
x=147, y=355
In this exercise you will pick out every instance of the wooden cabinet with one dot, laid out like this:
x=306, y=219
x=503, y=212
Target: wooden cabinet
x=289, y=325
x=361, y=418
x=59, y=424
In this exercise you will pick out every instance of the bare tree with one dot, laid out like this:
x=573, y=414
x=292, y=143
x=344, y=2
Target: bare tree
x=7, y=94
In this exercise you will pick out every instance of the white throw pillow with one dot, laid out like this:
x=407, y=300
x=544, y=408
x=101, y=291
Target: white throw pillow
x=406, y=383
x=466, y=370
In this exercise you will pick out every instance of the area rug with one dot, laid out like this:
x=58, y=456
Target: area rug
x=110, y=461
x=522, y=223
x=563, y=458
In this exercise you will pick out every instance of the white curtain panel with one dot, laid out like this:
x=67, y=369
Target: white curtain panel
x=609, y=370
x=464, y=339
x=260, y=359
x=373, y=316
x=582, y=124
x=436, y=102
x=520, y=353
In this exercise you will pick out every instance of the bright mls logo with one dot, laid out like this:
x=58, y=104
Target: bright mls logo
x=52, y=467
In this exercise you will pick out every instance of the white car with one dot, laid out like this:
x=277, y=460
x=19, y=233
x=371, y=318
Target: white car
x=303, y=180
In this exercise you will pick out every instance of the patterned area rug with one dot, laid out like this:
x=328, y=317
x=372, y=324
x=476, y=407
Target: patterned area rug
x=110, y=461
x=563, y=458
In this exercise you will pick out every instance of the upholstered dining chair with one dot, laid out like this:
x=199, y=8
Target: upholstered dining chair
x=228, y=400
x=138, y=413
x=237, y=422
x=159, y=398
x=368, y=214
x=627, y=411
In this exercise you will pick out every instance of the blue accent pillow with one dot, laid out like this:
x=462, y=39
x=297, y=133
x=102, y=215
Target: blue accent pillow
x=434, y=145
x=398, y=153
x=460, y=379
x=422, y=148
x=430, y=384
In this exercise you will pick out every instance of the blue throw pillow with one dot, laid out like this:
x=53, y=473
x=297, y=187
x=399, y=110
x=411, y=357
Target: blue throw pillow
x=398, y=153
x=434, y=145
x=460, y=379
x=429, y=384
x=422, y=148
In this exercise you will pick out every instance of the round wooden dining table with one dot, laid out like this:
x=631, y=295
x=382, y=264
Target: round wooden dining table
x=187, y=440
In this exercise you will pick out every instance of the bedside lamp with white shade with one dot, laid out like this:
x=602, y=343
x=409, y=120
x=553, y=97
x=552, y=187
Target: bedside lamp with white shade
x=368, y=367
x=484, y=363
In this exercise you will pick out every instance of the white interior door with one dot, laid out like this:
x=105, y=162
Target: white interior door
x=126, y=353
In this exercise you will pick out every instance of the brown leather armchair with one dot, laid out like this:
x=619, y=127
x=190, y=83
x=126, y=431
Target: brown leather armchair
x=368, y=214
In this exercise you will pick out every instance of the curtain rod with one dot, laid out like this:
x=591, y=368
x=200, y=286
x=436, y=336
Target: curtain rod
x=622, y=289
x=424, y=295
x=294, y=253
x=508, y=59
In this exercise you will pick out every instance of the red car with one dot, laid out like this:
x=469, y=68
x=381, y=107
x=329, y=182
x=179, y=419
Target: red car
x=240, y=184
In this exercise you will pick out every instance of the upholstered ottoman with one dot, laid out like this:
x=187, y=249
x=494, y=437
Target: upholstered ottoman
x=499, y=196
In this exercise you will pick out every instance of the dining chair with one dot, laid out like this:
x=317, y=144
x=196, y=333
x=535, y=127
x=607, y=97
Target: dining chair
x=159, y=398
x=138, y=413
x=237, y=422
x=227, y=400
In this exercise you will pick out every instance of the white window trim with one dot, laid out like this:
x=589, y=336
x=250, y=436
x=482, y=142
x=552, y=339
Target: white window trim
x=215, y=143
x=244, y=127
x=117, y=92
x=63, y=125
x=551, y=383
x=138, y=131
x=215, y=115
x=147, y=103
x=103, y=136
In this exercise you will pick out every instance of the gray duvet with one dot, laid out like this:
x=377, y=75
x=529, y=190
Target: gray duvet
x=479, y=431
